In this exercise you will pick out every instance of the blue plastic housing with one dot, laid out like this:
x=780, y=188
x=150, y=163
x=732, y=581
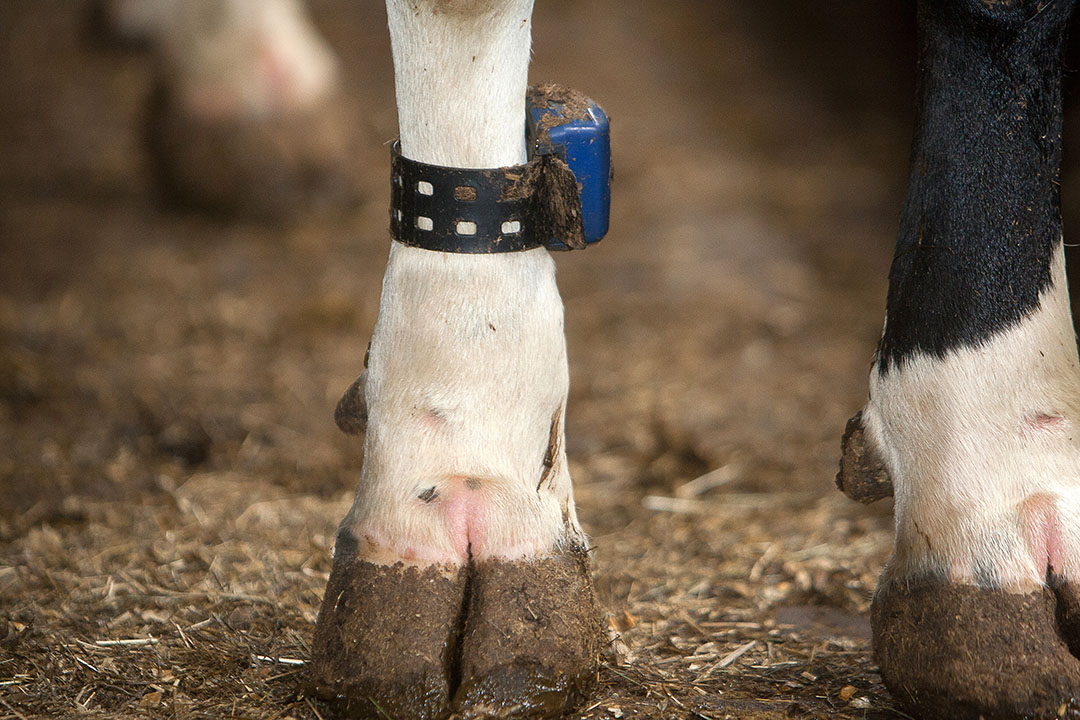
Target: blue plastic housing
x=583, y=143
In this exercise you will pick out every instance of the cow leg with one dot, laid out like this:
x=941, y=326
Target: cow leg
x=975, y=394
x=247, y=118
x=460, y=579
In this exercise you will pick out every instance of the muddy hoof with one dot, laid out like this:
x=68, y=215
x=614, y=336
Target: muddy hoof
x=384, y=640
x=104, y=28
x=958, y=651
x=862, y=475
x=532, y=638
x=274, y=169
x=495, y=640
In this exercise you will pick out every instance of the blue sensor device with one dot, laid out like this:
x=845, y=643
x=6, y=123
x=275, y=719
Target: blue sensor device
x=569, y=125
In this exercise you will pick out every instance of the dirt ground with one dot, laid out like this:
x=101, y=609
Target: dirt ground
x=171, y=478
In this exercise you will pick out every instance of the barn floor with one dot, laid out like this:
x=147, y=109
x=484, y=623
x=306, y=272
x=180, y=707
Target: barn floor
x=170, y=476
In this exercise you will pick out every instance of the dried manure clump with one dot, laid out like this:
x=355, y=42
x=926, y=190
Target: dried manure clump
x=863, y=476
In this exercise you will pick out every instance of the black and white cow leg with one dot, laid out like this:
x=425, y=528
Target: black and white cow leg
x=974, y=407
x=460, y=580
x=247, y=117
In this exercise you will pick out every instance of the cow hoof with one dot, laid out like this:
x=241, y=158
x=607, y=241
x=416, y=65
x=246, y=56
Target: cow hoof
x=385, y=639
x=492, y=639
x=273, y=167
x=107, y=26
x=952, y=652
x=531, y=638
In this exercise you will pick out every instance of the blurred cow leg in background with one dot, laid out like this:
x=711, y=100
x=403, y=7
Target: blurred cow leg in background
x=247, y=118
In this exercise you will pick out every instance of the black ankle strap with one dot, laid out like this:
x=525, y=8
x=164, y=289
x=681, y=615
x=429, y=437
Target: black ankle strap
x=465, y=211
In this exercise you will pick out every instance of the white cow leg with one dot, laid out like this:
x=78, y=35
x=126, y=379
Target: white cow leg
x=460, y=578
x=974, y=406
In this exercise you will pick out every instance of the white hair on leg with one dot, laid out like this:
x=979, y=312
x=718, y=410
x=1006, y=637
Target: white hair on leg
x=467, y=369
x=984, y=452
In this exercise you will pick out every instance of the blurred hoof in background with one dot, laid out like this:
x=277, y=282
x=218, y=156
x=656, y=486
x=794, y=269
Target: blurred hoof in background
x=247, y=118
x=275, y=168
x=126, y=24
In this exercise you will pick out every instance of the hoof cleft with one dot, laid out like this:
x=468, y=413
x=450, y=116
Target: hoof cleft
x=532, y=638
x=494, y=639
